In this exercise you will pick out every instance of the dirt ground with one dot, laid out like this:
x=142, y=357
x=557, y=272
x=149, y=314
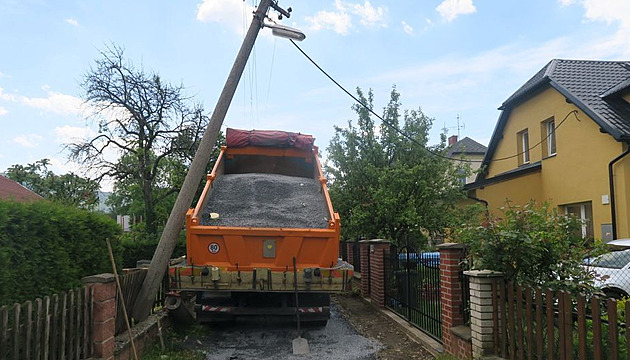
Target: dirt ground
x=371, y=323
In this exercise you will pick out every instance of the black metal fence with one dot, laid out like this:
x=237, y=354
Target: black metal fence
x=412, y=288
x=356, y=256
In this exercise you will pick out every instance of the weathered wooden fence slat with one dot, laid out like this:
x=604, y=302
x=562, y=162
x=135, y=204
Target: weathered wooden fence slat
x=561, y=328
x=510, y=332
x=597, y=327
x=54, y=331
x=47, y=316
x=613, y=345
x=38, y=329
x=529, y=323
x=77, y=336
x=28, y=329
x=519, y=322
x=16, y=331
x=550, y=330
x=495, y=319
x=4, y=332
x=581, y=312
x=539, y=324
x=503, y=321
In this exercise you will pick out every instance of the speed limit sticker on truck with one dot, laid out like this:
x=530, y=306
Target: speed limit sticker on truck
x=214, y=248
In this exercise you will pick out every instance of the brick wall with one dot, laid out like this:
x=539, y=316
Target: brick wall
x=373, y=276
x=456, y=337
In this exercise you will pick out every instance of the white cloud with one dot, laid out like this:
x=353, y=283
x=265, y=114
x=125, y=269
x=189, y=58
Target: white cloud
x=28, y=140
x=3, y=111
x=368, y=14
x=72, y=21
x=609, y=11
x=340, y=20
x=566, y=2
x=451, y=9
x=407, y=28
x=68, y=134
x=54, y=102
x=228, y=13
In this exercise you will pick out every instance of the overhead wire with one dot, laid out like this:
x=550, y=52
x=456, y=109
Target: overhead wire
x=409, y=137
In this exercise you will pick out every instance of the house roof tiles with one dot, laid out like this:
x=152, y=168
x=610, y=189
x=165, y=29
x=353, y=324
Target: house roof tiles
x=11, y=190
x=466, y=146
x=590, y=85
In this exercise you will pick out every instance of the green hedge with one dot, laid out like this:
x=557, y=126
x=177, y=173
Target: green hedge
x=47, y=248
x=137, y=244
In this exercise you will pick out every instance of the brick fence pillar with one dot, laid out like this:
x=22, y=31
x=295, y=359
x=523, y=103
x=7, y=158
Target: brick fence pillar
x=455, y=333
x=481, y=312
x=104, y=314
x=350, y=251
x=378, y=249
x=364, y=248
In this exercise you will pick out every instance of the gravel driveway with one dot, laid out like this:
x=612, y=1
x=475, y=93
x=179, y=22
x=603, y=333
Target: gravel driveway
x=264, y=340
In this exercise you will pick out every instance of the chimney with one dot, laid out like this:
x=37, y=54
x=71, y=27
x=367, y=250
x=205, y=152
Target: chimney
x=452, y=140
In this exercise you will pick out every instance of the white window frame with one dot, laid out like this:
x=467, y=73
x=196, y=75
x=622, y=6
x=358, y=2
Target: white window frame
x=551, y=137
x=525, y=146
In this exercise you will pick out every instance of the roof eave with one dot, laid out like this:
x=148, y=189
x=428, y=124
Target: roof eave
x=615, y=133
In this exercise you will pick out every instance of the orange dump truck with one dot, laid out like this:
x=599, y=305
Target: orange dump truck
x=264, y=204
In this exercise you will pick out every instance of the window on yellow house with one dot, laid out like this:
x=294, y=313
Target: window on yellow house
x=584, y=212
x=549, y=135
x=523, y=147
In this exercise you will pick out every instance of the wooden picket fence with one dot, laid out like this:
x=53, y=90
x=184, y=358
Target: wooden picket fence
x=55, y=327
x=130, y=283
x=535, y=323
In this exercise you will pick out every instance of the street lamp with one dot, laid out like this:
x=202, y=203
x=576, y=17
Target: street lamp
x=286, y=32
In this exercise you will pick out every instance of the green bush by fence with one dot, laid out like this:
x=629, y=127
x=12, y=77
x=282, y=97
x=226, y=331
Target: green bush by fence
x=47, y=248
x=138, y=244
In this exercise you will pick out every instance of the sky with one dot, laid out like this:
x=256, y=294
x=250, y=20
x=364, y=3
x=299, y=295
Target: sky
x=451, y=58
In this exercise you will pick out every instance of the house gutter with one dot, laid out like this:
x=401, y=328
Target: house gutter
x=611, y=184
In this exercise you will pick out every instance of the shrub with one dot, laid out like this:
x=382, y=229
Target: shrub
x=138, y=244
x=533, y=245
x=47, y=248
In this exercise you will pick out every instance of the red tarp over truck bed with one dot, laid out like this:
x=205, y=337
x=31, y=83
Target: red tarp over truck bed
x=268, y=138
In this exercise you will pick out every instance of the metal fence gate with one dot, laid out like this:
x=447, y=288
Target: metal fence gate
x=412, y=288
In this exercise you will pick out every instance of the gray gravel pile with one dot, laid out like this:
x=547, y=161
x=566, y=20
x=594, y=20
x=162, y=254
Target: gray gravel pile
x=265, y=200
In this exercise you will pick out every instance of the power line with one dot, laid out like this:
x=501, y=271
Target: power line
x=410, y=138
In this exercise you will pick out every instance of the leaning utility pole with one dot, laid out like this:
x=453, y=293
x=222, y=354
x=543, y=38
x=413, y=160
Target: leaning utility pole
x=164, y=250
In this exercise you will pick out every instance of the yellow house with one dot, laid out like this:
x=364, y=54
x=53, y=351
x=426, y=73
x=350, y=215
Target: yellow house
x=563, y=137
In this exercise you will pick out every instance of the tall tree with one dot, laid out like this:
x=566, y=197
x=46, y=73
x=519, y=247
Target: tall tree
x=388, y=185
x=68, y=189
x=144, y=124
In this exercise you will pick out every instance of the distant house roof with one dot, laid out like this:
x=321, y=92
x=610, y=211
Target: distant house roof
x=466, y=146
x=11, y=190
x=593, y=86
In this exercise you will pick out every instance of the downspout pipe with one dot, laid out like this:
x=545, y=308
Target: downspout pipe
x=611, y=184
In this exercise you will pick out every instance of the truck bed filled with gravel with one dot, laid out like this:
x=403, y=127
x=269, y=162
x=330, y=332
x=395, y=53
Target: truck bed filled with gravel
x=265, y=200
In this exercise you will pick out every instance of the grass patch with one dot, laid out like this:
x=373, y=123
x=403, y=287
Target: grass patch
x=174, y=339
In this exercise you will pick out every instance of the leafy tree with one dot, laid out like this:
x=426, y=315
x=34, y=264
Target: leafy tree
x=69, y=189
x=147, y=127
x=531, y=244
x=384, y=184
